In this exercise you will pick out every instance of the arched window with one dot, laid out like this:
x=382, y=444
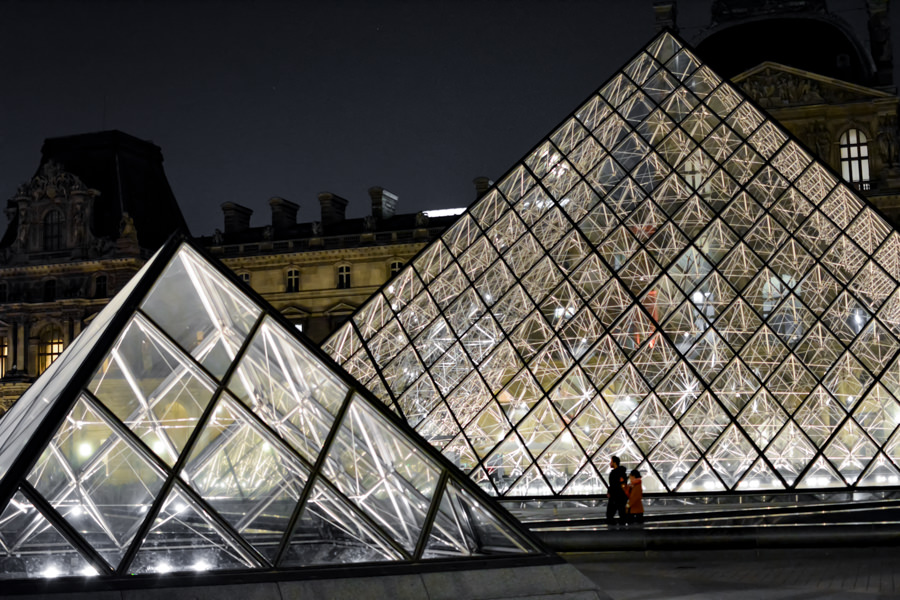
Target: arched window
x=100, y=286
x=855, y=158
x=343, y=277
x=396, y=265
x=51, y=346
x=53, y=230
x=292, y=280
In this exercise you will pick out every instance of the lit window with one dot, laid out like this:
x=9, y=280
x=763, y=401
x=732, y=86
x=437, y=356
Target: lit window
x=4, y=352
x=343, y=273
x=395, y=267
x=50, y=290
x=53, y=222
x=292, y=282
x=51, y=346
x=855, y=158
x=245, y=277
x=100, y=288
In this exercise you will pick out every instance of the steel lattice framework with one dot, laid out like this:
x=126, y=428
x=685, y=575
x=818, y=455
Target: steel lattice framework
x=190, y=428
x=668, y=277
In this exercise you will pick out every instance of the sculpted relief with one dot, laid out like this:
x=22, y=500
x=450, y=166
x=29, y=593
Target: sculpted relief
x=773, y=88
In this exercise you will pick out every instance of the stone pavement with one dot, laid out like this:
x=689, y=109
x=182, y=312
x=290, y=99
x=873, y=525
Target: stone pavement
x=782, y=574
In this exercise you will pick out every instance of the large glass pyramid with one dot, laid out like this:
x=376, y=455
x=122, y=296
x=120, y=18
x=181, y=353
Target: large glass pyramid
x=669, y=277
x=189, y=428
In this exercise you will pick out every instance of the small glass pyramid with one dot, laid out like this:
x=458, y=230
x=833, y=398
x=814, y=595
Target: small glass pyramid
x=668, y=277
x=190, y=428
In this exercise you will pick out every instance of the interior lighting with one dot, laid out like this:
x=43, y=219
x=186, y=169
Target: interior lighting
x=163, y=567
x=200, y=565
x=51, y=572
x=89, y=571
x=85, y=449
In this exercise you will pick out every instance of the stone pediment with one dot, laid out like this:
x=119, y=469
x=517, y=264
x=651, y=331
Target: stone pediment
x=773, y=85
x=341, y=308
x=294, y=312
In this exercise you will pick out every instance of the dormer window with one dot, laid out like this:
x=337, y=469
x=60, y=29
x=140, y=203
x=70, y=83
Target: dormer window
x=855, y=158
x=53, y=230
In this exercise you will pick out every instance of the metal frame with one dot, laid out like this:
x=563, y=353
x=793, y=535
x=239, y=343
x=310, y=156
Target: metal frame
x=633, y=254
x=78, y=387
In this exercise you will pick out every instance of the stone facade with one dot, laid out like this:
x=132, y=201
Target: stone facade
x=59, y=264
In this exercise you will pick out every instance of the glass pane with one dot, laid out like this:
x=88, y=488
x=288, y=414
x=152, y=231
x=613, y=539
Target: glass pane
x=155, y=390
x=92, y=475
x=246, y=475
x=201, y=310
x=288, y=388
x=30, y=547
x=375, y=466
x=330, y=531
x=184, y=538
x=463, y=526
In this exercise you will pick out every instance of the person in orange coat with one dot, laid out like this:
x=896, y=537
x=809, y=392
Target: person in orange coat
x=635, y=493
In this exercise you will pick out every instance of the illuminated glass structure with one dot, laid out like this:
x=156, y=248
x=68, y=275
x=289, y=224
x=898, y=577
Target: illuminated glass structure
x=668, y=277
x=190, y=428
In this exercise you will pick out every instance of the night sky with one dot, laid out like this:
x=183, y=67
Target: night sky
x=254, y=100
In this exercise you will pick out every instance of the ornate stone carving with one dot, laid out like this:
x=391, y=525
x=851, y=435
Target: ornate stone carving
x=772, y=88
x=369, y=223
x=421, y=219
x=887, y=140
x=52, y=182
x=128, y=240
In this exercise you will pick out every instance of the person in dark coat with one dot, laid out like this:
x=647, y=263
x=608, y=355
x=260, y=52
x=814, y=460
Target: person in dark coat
x=635, y=498
x=616, y=495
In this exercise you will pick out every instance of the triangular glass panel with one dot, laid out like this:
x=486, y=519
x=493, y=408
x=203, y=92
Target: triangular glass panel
x=98, y=478
x=184, y=537
x=30, y=547
x=330, y=531
x=880, y=472
x=759, y=477
x=820, y=475
x=201, y=310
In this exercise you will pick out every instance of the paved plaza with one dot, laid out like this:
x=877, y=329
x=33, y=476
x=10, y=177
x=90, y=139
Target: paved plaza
x=788, y=574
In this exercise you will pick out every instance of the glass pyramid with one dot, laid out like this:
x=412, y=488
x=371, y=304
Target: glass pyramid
x=190, y=428
x=668, y=277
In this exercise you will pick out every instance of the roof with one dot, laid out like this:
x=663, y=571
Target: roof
x=129, y=174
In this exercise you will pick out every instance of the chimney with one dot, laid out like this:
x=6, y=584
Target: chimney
x=665, y=15
x=284, y=213
x=482, y=185
x=333, y=208
x=237, y=217
x=384, y=203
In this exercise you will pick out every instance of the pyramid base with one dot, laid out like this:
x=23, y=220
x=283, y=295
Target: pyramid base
x=559, y=581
